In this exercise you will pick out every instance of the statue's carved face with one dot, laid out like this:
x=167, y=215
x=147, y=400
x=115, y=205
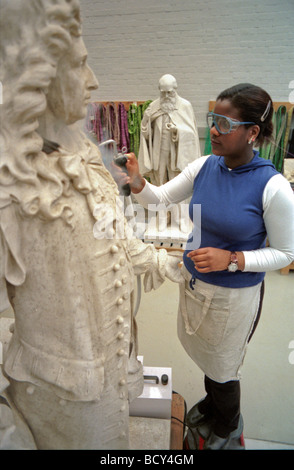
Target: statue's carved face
x=70, y=91
x=167, y=99
x=168, y=92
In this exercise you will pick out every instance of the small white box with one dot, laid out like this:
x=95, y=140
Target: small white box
x=156, y=399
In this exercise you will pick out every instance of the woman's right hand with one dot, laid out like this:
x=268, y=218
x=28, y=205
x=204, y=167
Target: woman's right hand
x=135, y=179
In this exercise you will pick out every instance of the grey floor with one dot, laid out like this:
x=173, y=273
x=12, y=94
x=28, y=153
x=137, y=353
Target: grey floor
x=267, y=382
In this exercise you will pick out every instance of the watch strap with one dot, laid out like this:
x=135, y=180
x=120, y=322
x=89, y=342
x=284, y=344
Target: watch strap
x=234, y=257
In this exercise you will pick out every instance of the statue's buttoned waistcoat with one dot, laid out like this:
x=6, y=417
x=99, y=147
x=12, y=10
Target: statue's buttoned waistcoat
x=73, y=312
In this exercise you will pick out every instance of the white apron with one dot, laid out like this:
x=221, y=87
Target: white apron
x=214, y=324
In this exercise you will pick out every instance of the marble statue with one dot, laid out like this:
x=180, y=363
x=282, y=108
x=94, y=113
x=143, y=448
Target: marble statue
x=169, y=136
x=67, y=371
x=168, y=142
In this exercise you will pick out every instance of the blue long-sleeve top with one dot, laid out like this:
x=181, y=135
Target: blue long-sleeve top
x=231, y=214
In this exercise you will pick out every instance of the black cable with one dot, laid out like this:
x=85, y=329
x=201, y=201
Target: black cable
x=189, y=428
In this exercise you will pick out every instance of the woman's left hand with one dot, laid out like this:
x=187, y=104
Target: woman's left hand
x=210, y=259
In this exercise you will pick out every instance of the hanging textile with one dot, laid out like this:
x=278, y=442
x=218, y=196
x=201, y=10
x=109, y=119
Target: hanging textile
x=135, y=115
x=275, y=149
x=95, y=122
x=207, y=147
x=115, y=121
x=134, y=128
x=123, y=125
x=287, y=133
x=101, y=128
x=112, y=124
x=281, y=121
x=143, y=107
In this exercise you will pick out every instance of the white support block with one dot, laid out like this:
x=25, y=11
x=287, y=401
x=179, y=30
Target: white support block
x=156, y=399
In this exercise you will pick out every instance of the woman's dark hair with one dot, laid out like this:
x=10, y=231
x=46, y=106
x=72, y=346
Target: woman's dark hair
x=254, y=104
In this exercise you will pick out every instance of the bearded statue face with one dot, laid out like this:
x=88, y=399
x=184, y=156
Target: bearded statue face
x=168, y=94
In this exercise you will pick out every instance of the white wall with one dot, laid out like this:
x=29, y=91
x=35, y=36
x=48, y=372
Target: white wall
x=207, y=45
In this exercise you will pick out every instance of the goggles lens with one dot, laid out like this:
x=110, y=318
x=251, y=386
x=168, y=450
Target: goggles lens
x=223, y=124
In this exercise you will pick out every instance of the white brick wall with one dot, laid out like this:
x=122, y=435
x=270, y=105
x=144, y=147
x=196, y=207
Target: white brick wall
x=207, y=45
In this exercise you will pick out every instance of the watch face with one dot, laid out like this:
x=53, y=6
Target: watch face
x=232, y=267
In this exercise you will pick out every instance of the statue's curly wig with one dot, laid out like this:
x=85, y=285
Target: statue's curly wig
x=34, y=36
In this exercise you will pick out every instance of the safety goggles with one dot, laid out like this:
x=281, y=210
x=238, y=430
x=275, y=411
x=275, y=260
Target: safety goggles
x=224, y=124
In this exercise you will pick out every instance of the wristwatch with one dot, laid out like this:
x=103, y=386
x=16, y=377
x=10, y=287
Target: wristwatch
x=233, y=266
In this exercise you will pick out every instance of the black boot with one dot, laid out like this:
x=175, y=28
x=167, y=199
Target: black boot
x=205, y=428
x=203, y=422
x=195, y=417
x=215, y=442
x=232, y=441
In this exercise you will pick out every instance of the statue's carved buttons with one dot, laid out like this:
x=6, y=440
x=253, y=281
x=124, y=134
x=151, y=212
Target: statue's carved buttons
x=117, y=283
x=120, y=335
x=119, y=320
x=120, y=352
x=119, y=301
x=116, y=267
x=114, y=249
